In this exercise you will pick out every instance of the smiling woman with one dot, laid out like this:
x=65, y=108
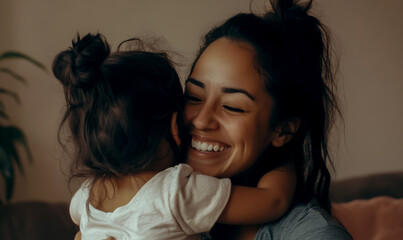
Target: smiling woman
x=225, y=97
x=260, y=101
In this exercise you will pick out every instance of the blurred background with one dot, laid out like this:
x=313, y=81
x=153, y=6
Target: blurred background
x=368, y=37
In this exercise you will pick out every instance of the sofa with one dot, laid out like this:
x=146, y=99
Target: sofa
x=370, y=207
x=36, y=220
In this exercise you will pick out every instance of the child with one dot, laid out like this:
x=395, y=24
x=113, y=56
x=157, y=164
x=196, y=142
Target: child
x=124, y=110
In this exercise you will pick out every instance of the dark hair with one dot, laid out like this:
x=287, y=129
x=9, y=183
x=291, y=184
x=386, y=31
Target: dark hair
x=119, y=106
x=293, y=55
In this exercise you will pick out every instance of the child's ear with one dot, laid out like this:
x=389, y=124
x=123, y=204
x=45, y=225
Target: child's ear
x=174, y=129
x=285, y=131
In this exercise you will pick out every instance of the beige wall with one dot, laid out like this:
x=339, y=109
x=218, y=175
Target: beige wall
x=369, y=38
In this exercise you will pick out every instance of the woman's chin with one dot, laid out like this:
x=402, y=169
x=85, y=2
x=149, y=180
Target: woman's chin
x=207, y=162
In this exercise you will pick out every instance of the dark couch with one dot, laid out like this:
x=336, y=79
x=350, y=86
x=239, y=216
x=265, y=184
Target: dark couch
x=367, y=187
x=371, y=207
x=36, y=221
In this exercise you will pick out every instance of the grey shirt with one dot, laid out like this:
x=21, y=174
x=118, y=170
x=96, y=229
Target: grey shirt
x=304, y=221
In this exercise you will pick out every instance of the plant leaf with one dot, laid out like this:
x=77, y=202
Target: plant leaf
x=7, y=172
x=13, y=74
x=13, y=136
x=3, y=115
x=5, y=161
x=13, y=54
x=11, y=151
x=10, y=185
x=18, y=136
x=10, y=93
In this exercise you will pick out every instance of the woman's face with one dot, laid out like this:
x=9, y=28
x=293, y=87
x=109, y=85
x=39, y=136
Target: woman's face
x=227, y=110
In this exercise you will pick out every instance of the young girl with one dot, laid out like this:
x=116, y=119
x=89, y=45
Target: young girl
x=124, y=110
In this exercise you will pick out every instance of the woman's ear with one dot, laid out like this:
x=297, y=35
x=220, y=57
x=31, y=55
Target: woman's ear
x=174, y=129
x=285, y=132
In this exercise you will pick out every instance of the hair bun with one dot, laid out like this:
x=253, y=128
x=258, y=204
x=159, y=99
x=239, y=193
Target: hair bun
x=290, y=8
x=301, y=32
x=79, y=66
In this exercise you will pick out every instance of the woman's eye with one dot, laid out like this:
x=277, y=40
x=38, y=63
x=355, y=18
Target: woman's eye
x=232, y=109
x=191, y=98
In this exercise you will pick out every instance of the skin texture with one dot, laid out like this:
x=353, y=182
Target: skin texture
x=227, y=105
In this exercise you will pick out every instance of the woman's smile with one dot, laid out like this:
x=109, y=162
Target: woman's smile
x=204, y=152
x=208, y=146
x=227, y=110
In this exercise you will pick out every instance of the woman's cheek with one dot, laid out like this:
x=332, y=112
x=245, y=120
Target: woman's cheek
x=189, y=113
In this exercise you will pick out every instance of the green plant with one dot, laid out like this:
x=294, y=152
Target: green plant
x=11, y=136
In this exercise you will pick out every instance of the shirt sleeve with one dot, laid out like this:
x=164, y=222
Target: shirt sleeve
x=78, y=203
x=197, y=200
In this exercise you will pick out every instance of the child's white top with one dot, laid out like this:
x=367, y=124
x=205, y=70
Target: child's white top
x=176, y=203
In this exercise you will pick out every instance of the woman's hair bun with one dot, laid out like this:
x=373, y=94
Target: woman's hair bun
x=285, y=8
x=79, y=66
x=302, y=34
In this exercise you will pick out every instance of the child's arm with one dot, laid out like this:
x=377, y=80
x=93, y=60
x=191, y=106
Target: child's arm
x=78, y=236
x=269, y=201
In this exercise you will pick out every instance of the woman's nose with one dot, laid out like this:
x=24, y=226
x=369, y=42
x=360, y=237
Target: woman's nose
x=205, y=119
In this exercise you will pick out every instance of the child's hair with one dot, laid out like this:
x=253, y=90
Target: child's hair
x=119, y=106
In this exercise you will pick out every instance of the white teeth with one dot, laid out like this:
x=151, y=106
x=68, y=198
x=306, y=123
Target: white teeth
x=203, y=146
x=210, y=147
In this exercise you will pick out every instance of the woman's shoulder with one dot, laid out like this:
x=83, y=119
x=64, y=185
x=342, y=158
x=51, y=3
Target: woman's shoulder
x=304, y=221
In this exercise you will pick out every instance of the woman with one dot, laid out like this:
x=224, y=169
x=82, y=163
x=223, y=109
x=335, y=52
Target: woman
x=262, y=89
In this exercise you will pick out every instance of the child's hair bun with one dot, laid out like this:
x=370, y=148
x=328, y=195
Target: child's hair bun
x=79, y=66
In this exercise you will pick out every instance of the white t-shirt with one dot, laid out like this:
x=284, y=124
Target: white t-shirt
x=176, y=203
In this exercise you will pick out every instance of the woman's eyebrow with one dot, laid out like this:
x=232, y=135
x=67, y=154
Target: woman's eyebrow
x=237, y=90
x=224, y=89
x=195, y=82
